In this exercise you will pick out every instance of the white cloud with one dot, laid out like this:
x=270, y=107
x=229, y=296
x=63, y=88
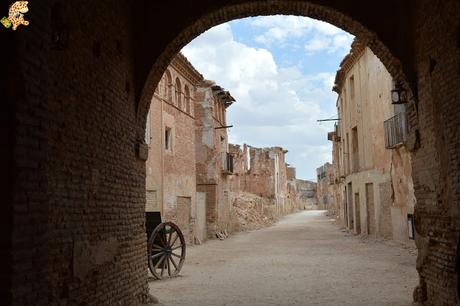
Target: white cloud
x=318, y=44
x=279, y=29
x=338, y=43
x=274, y=106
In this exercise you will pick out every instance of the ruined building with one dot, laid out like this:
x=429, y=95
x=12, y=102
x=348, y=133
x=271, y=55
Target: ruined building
x=373, y=190
x=263, y=172
x=265, y=175
x=291, y=203
x=213, y=161
x=325, y=187
x=306, y=194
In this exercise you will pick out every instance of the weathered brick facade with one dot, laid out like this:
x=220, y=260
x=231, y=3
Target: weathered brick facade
x=170, y=135
x=78, y=82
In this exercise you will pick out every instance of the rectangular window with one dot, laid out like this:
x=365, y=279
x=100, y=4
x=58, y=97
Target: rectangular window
x=352, y=86
x=396, y=130
x=354, y=149
x=168, y=139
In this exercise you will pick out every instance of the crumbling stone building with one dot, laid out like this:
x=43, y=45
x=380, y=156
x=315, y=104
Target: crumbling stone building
x=264, y=172
x=170, y=133
x=291, y=204
x=306, y=195
x=213, y=161
x=266, y=175
x=325, y=191
x=372, y=165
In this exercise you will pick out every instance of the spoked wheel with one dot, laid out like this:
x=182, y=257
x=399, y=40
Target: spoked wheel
x=166, y=250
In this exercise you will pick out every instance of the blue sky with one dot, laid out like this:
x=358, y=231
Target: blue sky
x=280, y=70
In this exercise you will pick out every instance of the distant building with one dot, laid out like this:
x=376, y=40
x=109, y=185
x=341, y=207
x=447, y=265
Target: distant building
x=373, y=188
x=264, y=172
x=265, y=175
x=325, y=192
x=291, y=203
x=306, y=195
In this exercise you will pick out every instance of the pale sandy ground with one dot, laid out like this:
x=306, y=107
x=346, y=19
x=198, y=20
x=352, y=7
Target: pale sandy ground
x=304, y=259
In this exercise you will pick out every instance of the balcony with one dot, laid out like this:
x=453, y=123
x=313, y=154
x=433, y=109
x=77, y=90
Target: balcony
x=227, y=163
x=395, y=130
x=334, y=135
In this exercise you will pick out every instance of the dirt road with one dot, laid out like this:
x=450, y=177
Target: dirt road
x=303, y=260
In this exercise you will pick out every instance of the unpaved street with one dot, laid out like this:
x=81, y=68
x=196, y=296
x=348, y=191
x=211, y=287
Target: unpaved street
x=305, y=259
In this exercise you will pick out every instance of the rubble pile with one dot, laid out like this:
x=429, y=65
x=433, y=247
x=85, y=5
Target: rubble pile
x=252, y=212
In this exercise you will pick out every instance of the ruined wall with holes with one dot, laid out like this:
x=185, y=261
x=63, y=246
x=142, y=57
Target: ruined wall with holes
x=306, y=195
x=325, y=192
x=75, y=118
x=265, y=174
x=211, y=148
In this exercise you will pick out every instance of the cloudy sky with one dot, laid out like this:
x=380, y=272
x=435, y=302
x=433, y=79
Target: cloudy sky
x=280, y=70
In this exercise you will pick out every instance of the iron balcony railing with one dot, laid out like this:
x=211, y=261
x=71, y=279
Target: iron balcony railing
x=227, y=163
x=395, y=130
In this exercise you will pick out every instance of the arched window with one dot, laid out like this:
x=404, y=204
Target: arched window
x=160, y=89
x=178, y=93
x=168, y=86
x=187, y=99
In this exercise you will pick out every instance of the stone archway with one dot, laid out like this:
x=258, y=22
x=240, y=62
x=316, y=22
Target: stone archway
x=400, y=66
x=254, y=8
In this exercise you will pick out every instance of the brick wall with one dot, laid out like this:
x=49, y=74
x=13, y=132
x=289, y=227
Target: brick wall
x=436, y=163
x=79, y=188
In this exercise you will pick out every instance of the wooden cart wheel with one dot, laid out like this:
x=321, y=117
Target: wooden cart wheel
x=166, y=250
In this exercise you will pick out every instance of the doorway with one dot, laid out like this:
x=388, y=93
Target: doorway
x=370, y=207
x=358, y=216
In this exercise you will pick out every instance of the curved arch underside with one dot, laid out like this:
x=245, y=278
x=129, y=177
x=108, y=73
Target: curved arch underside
x=376, y=24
